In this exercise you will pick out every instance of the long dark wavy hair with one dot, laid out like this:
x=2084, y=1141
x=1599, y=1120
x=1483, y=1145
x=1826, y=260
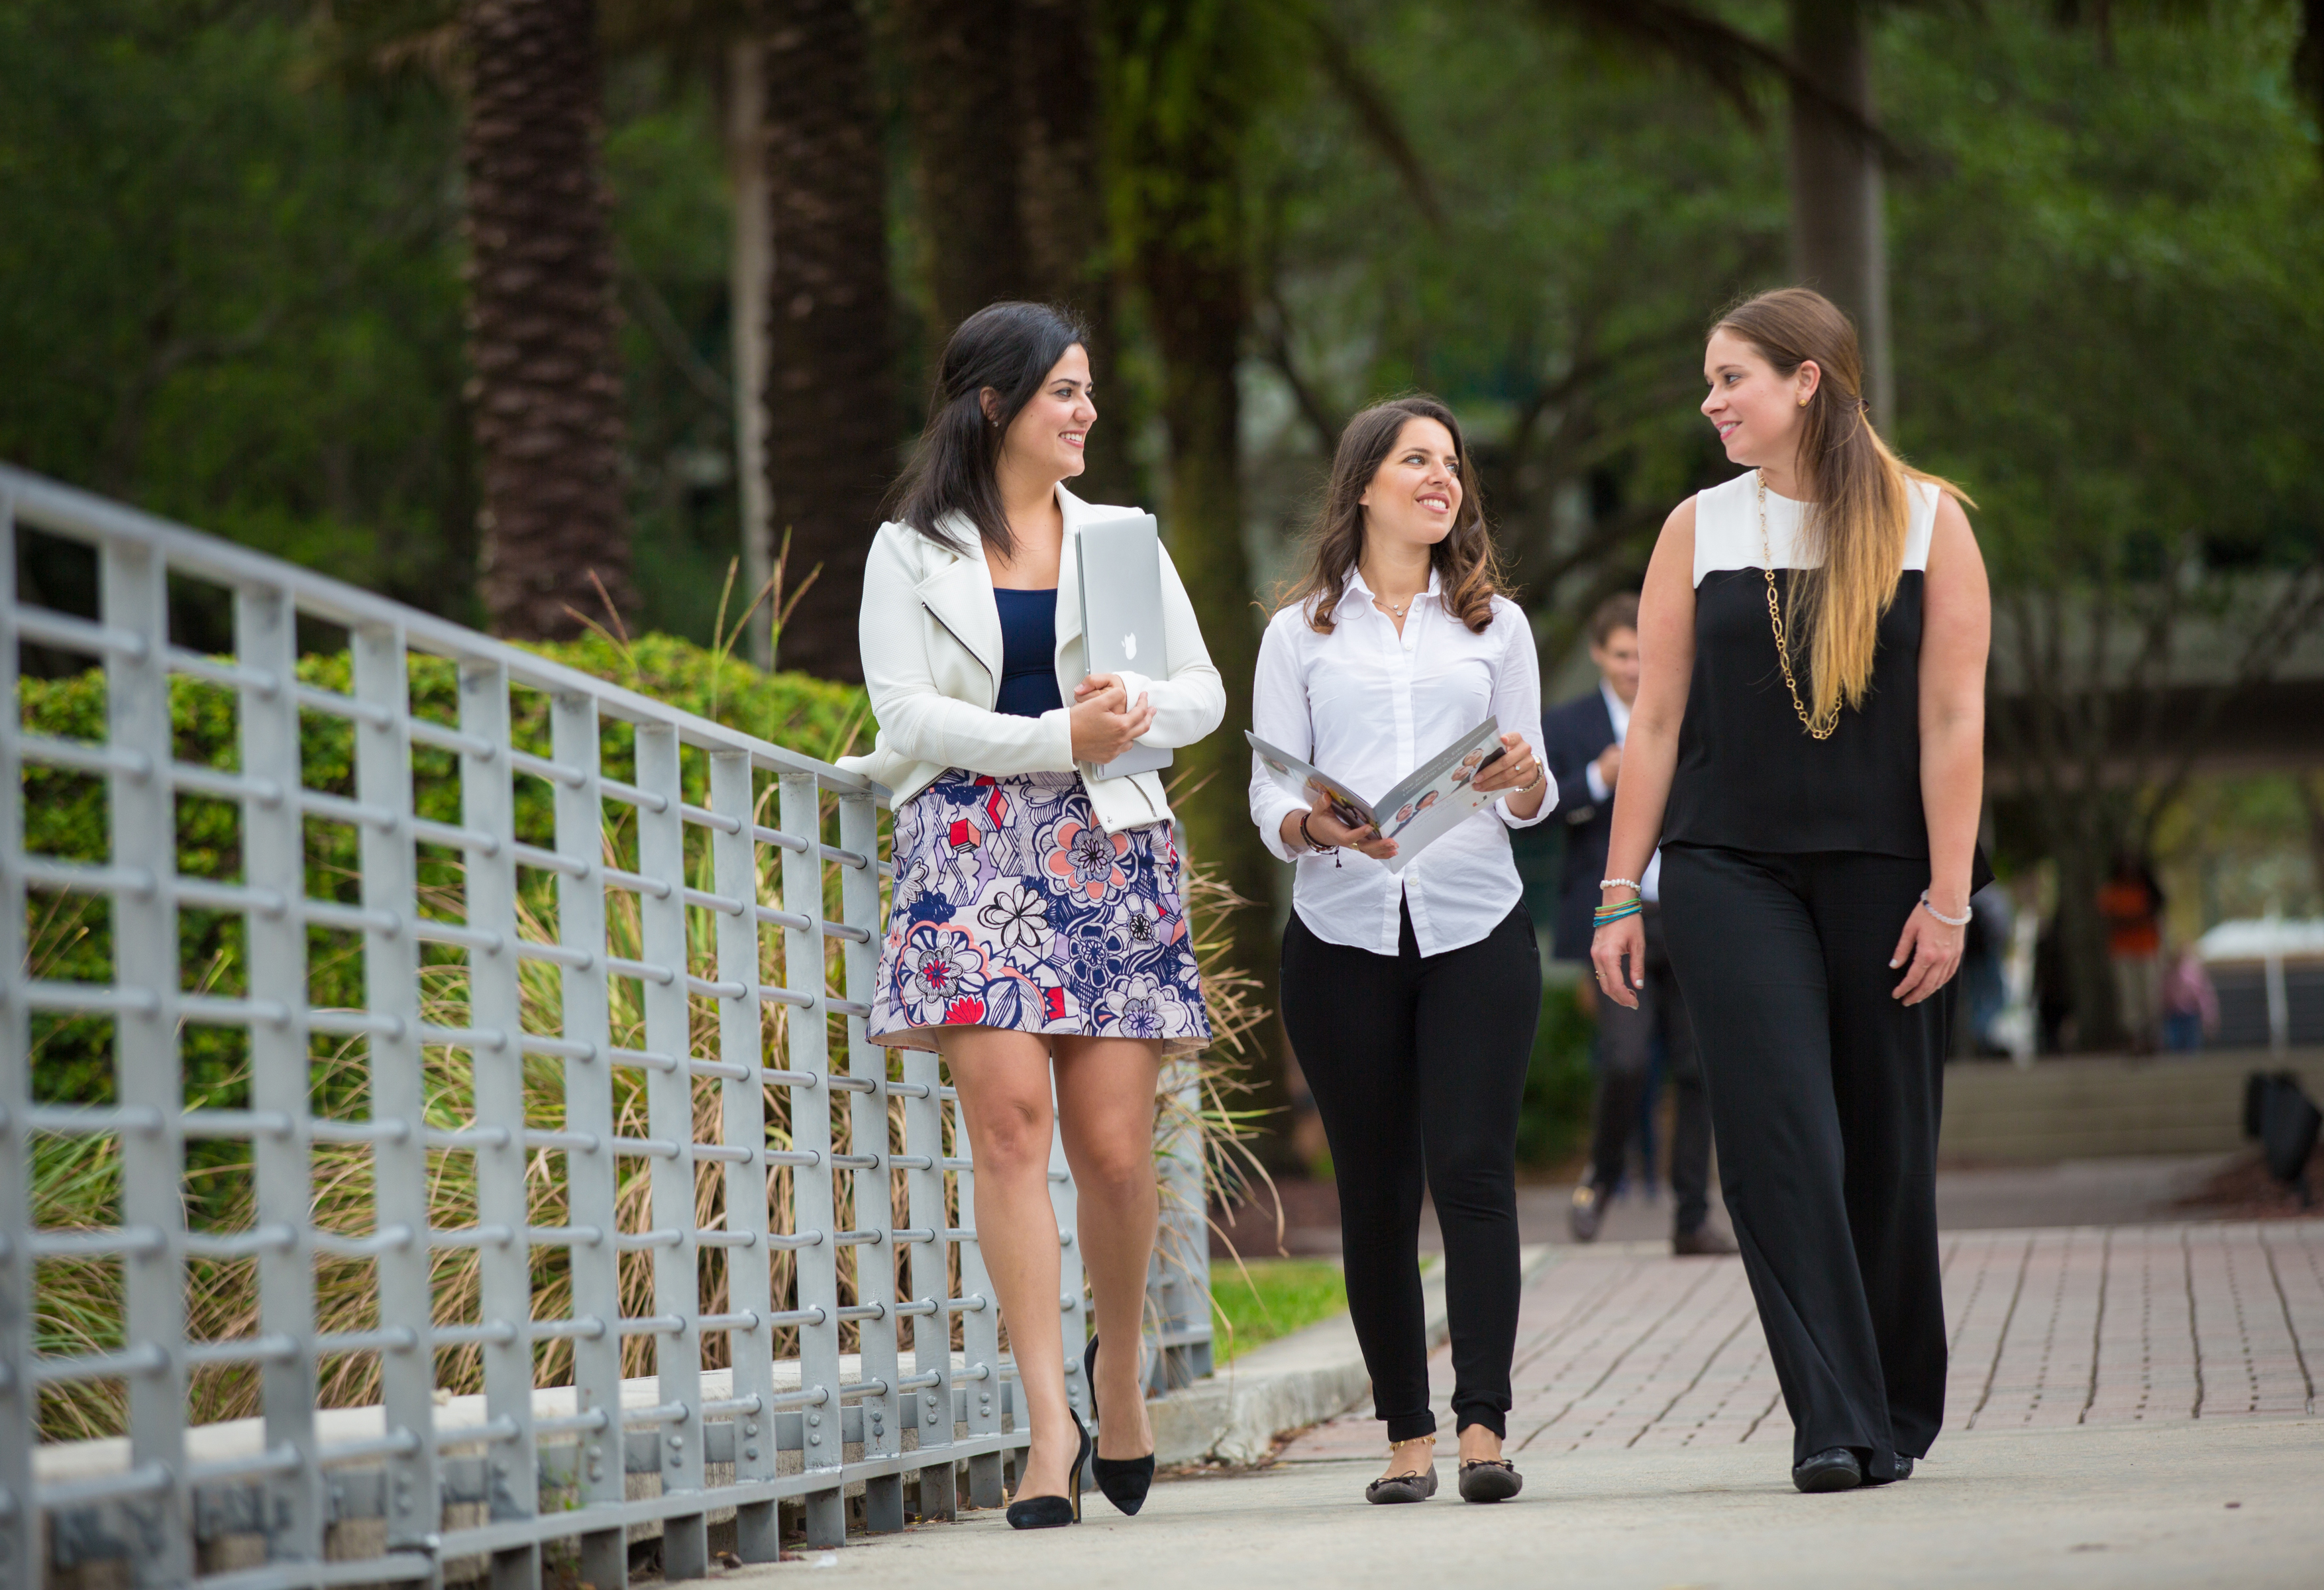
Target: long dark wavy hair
x=1009, y=347
x=1468, y=567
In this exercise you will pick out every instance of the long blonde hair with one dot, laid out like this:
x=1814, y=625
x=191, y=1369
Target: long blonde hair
x=1857, y=517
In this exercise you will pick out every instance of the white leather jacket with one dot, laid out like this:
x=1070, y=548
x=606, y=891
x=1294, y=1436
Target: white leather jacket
x=931, y=637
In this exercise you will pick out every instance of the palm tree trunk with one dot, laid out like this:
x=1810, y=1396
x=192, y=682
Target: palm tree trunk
x=1839, y=232
x=961, y=93
x=547, y=392
x=1180, y=71
x=1061, y=195
x=832, y=423
x=748, y=261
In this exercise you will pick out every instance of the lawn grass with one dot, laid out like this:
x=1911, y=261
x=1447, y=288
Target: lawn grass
x=1263, y=1298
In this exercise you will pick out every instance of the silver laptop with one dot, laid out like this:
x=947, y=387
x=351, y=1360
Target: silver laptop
x=1121, y=565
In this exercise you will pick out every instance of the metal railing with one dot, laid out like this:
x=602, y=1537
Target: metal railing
x=621, y=1137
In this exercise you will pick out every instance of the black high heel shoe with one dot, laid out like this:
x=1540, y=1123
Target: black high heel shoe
x=1124, y=1480
x=1051, y=1512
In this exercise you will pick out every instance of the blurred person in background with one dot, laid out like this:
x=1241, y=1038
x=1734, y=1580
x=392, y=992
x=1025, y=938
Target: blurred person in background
x=2191, y=1004
x=1985, y=956
x=2132, y=902
x=1582, y=746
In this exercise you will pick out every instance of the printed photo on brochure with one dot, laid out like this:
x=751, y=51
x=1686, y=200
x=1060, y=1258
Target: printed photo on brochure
x=1431, y=800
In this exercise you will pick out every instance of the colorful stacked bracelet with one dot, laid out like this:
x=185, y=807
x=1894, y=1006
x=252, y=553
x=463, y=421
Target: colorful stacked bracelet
x=1603, y=914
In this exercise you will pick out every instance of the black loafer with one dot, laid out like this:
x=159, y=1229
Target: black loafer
x=1903, y=1471
x=1834, y=1468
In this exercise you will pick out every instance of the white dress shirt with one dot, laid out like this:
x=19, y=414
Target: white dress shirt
x=1367, y=705
x=1650, y=887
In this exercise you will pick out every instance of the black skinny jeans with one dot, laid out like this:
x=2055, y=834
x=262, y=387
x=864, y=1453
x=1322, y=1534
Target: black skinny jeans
x=1825, y=1093
x=1418, y=1065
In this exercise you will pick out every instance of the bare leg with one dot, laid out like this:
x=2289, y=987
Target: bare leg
x=1105, y=1111
x=1004, y=1078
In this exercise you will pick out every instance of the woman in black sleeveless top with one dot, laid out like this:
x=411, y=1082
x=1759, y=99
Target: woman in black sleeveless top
x=1807, y=746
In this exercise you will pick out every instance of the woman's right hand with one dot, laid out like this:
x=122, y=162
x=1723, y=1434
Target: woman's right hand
x=1105, y=725
x=1330, y=832
x=1618, y=953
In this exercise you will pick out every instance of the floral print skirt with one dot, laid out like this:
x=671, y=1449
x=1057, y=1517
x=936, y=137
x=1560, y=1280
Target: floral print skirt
x=1014, y=910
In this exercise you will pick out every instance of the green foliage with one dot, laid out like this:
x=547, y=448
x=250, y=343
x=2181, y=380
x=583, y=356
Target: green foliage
x=1259, y=1299
x=232, y=297
x=1560, y=1083
x=66, y=817
x=2105, y=281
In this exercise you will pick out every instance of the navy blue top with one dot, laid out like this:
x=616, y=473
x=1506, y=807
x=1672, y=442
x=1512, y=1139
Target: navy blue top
x=1028, y=652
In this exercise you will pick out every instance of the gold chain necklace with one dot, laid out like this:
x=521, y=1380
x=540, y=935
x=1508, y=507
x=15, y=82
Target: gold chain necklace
x=1776, y=622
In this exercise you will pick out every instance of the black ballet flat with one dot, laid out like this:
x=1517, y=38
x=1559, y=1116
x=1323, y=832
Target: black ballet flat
x=1834, y=1468
x=1489, y=1479
x=1391, y=1489
x=1124, y=1480
x=1052, y=1513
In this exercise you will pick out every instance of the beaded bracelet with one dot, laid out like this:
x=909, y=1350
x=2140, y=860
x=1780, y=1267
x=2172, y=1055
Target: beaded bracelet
x=1622, y=884
x=1960, y=921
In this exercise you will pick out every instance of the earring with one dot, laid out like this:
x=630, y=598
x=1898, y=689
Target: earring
x=1803, y=403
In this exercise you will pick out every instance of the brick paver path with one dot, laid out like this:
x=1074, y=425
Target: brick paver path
x=1624, y=1346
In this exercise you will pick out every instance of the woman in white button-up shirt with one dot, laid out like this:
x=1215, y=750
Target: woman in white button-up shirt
x=1411, y=996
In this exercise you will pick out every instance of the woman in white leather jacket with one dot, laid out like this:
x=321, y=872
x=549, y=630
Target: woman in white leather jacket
x=1037, y=920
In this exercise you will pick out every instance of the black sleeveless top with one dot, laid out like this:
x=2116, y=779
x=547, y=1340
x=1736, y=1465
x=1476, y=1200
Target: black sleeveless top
x=1749, y=775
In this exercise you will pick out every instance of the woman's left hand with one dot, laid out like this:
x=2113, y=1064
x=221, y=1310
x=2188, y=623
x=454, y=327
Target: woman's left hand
x=1930, y=953
x=1517, y=770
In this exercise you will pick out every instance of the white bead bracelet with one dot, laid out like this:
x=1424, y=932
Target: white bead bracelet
x=1960, y=921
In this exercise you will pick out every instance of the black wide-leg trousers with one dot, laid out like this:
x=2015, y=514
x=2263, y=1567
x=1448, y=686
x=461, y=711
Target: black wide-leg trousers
x=1626, y=1057
x=1417, y=1064
x=1825, y=1095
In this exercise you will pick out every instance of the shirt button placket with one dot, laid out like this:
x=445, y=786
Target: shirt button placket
x=1391, y=927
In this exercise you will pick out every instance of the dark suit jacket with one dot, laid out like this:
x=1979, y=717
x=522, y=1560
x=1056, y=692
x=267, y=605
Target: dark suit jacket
x=1573, y=735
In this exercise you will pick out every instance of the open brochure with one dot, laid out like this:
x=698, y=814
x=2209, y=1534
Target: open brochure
x=1433, y=799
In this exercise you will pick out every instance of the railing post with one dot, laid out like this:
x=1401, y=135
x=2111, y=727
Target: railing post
x=590, y=1177
x=884, y=1412
x=135, y=600
x=743, y=1124
x=495, y=1004
x=980, y=1328
x=931, y=1273
x=273, y=859
x=669, y=1108
x=1178, y=1292
x=1073, y=1301
x=809, y=1050
x=398, y=1084
x=20, y=1524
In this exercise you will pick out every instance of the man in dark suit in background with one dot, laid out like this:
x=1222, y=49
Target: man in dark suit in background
x=1583, y=740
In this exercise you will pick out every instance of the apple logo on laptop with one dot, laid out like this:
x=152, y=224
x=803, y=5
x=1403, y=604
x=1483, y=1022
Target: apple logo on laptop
x=1129, y=646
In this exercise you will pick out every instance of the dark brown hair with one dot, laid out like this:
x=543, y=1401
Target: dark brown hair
x=1618, y=611
x=1468, y=568
x=1010, y=347
x=1859, y=512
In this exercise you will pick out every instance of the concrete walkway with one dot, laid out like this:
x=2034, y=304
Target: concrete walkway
x=2127, y=1406
x=2231, y=1505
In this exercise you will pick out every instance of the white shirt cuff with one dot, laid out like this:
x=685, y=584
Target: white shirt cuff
x=1270, y=827
x=1597, y=782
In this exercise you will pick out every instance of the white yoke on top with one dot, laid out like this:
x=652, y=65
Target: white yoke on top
x=1368, y=706
x=1727, y=527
